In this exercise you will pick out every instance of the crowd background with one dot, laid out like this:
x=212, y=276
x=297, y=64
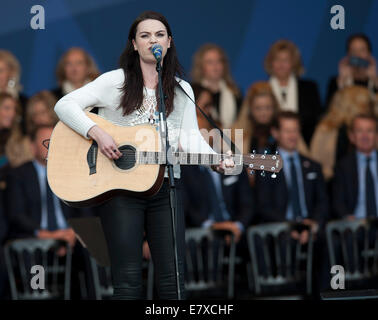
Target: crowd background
x=275, y=69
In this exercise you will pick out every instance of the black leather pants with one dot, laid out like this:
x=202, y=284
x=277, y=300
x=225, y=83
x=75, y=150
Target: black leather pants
x=124, y=219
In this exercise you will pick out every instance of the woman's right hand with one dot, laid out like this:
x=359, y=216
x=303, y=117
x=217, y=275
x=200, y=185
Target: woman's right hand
x=105, y=142
x=345, y=69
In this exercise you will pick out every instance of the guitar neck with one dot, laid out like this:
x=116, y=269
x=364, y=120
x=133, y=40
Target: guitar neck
x=184, y=158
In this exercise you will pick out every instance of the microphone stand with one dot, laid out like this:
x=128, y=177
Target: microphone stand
x=172, y=186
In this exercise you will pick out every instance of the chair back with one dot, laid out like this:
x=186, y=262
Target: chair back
x=21, y=258
x=353, y=245
x=205, y=260
x=276, y=258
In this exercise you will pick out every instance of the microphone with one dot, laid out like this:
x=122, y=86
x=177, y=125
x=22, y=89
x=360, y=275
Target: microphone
x=157, y=51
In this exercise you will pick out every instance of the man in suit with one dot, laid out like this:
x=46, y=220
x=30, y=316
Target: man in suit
x=218, y=201
x=35, y=211
x=298, y=193
x=355, y=188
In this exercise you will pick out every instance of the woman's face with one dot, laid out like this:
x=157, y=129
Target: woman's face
x=76, y=68
x=40, y=114
x=359, y=48
x=7, y=113
x=148, y=33
x=212, y=65
x=5, y=75
x=282, y=64
x=262, y=109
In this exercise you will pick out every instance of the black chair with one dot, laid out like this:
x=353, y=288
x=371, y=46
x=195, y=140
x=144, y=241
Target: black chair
x=206, y=260
x=354, y=245
x=21, y=255
x=102, y=279
x=278, y=262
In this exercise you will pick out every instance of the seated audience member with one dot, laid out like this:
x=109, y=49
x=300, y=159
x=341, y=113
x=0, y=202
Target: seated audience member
x=330, y=141
x=40, y=110
x=258, y=112
x=211, y=69
x=284, y=66
x=256, y=116
x=75, y=69
x=298, y=193
x=14, y=146
x=35, y=211
x=216, y=201
x=358, y=67
x=10, y=75
x=355, y=188
x=230, y=205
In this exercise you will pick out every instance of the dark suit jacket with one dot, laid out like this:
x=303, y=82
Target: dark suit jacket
x=309, y=107
x=57, y=92
x=3, y=219
x=272, y=194
x=24, y=202
x=345, y=186
x=4, y=225
x=237, y=195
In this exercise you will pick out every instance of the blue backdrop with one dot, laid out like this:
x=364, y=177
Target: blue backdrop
x=244, y=28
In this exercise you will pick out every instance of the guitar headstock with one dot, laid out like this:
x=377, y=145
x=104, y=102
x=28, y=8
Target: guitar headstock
x=263, y=162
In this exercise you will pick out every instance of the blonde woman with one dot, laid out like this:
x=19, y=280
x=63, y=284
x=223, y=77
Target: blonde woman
x=330, y=141
x=211, y=69
x=256, y=117
x=75, y=69
x=284, y=66
x=14, y=146
x=40, y=110
x=10, y=74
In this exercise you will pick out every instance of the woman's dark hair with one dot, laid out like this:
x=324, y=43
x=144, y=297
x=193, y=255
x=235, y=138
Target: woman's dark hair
x=288, y=115
x=361, y=36
x=132, y=89
x=198, y=89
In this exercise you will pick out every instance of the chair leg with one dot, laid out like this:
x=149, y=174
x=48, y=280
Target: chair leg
x=249, y=277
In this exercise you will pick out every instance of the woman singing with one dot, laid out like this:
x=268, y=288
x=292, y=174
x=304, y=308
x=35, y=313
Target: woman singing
x=128, y=96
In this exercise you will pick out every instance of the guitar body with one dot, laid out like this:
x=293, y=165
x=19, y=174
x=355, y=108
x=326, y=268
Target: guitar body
x=69, y=158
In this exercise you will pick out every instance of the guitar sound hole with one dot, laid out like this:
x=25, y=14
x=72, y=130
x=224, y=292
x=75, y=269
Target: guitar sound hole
x=127, y=160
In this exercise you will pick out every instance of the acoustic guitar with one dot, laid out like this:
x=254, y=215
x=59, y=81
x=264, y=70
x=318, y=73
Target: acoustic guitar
x=80, y=175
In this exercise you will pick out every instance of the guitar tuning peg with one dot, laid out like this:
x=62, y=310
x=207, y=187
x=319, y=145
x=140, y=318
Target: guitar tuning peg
x=252, y=172
x=262, y=173
x=274, y=176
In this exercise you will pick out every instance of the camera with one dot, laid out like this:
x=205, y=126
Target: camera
x=358, y=62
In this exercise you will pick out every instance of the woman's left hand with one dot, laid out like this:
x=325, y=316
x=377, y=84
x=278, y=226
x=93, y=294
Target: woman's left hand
x=225, y=164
